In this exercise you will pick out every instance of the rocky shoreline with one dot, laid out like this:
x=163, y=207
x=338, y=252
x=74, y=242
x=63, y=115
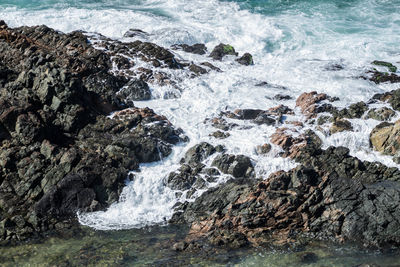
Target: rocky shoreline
x=62, y=152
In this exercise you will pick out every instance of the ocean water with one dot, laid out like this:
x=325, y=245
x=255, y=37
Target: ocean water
x=293, y=44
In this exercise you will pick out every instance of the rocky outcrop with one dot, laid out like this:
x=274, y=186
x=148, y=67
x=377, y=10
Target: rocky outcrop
x=60, y=153
x=385, y=138
x=222, y=50
x=330, y=195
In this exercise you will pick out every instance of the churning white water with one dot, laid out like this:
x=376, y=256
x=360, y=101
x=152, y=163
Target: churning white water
x=294, y=44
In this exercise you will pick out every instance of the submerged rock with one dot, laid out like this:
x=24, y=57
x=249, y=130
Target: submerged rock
x=134, y=90
x=382, y=77
x=136, y=33
x=390, y=66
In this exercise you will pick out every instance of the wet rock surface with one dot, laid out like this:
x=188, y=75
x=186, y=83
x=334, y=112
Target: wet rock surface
x=199, y=49
x=222, y=50
x=312, y=103
x=330, y=195
x=385, y=138
x=60, y=153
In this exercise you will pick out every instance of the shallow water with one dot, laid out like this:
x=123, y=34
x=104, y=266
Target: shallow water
x=294, y=45
x=152, y=246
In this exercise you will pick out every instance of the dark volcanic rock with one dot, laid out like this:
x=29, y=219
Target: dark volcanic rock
x=198, y=153
x=134, y=90
x=354, y=111
x=222, y=50
x=382, y=77
x=381, y=114
x=60, y=153
x=187, y=176
x=331, y=195
x=246, y=59
x=199, y=49
x=236, y=165
x=197, y=69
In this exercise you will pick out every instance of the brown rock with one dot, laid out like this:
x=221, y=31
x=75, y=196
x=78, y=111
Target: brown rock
x=309, y=103
x=340, y=125
x=385, y=138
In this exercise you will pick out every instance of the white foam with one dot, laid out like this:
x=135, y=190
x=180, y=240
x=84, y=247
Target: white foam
x=291, y=48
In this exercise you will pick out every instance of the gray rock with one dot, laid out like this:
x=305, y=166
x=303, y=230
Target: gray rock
x=236, y=165
x=134, y=90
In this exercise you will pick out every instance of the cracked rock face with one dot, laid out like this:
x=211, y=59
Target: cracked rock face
x=329, y=195
x=60, y=153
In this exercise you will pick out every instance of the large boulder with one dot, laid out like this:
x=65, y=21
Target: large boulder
x=385, y=138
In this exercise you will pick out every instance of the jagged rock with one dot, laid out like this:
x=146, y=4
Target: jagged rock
x=188, y=175
x=198, y=153
x=331, y=195
x=136, y=33
x=310, y=103
x=184, y=178
x=392, y=97
x=199, y=49
x=211, y=66
x=292, y=146
x=236, y=165
x=246, y=59
x=340, y=125
x=134, y=90
x=60, y=152
x=352, y=112
x=380, y=114
x=222, y=50
x=384, y=138
x=197, y=69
